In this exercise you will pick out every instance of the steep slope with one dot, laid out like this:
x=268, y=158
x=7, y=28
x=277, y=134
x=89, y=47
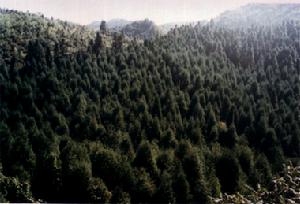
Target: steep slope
x=179, y=118
x=24, y=29
x=260, y=14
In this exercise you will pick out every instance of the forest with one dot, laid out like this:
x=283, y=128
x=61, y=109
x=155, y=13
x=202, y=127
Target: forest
x=91, y=116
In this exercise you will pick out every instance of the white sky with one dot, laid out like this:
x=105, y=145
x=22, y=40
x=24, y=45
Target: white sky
x=160, y=11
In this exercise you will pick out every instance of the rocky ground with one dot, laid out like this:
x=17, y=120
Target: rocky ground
x=285, y=190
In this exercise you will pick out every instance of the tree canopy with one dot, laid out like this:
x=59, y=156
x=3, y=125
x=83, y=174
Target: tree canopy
x=98, y=118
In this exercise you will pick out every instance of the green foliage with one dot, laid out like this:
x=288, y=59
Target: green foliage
x=165, y=191
x=263, y=172
x=229, y=137
x=101, y=117
x=120, y=197
x=113, y=170
x=168, y=140
x=145, y=158
x=181, y=188
x=246, y=160
x=76, y=171
x=98, y=192
x=145, y=187
x=228, y=172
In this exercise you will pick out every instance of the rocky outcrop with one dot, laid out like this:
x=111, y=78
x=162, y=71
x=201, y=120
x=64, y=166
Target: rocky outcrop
x=284, y=189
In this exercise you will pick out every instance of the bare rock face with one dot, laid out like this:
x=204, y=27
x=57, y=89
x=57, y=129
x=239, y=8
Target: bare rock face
x=284, y=189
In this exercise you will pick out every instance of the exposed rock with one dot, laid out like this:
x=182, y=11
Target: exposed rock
x=284, y=189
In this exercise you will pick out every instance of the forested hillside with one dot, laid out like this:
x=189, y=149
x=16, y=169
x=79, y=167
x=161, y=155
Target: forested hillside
x=145, y=29
x=180, y=118
x=260, y=14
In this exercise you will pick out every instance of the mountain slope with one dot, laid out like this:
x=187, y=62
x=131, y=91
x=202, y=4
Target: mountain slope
x=118, y=24
x=30, y=27
x=260, y=14
x=179, y=118
x=145, y=29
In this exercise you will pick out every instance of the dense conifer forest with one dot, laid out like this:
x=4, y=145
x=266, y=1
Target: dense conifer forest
x=92, y=117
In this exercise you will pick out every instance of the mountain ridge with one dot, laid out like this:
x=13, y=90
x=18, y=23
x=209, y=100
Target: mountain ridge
x=114, y=24
x=259, y=14
x=186, y=117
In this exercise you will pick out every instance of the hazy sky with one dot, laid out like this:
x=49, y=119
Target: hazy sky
x=160, y=11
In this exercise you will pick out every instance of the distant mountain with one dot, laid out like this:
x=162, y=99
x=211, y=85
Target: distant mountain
x=114, y=24
x=259, y=14
x=190, y=116
x=117, y=23
x=165, y=28
x=135, y=28
x=145, y=29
